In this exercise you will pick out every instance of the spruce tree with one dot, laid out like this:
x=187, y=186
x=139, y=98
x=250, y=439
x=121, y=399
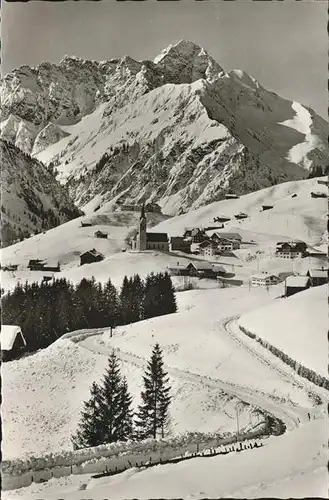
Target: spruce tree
x=91, y=429
x=115, y=406
x=153, y=413
x=168, y=298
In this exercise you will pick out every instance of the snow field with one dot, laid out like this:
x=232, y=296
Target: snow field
x=297, y=325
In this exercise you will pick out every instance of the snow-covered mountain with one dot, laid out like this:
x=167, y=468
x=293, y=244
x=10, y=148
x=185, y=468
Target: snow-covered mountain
x=31, y=198
x=179, y=130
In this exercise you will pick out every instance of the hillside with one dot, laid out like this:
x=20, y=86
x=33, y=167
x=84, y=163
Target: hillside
x=301, y=217
x=32, y=200
x=297, y=325
x=179, y=130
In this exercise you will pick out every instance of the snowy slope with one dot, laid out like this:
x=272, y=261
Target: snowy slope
x=208, y=370
x=297, y=325
x=31, y=198
x=195, y=130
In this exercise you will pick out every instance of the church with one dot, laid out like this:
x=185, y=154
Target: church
x=149, y=241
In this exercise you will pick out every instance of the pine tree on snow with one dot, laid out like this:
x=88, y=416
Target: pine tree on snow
x=115, y=408
x=153, y=413
x=90, y=430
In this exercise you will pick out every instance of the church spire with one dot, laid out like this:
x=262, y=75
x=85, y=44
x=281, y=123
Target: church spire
x=143, y=212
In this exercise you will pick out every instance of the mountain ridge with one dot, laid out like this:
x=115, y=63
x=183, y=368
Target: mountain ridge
x=178, y=130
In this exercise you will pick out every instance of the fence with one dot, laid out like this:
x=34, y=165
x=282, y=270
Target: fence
x=307, y=373
x=107, y=461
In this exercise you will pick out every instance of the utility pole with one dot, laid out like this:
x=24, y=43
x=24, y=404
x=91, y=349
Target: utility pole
x=237, y=422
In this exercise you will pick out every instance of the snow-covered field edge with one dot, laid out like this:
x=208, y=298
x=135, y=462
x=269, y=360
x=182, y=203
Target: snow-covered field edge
x=20, y=473
x=301, y=370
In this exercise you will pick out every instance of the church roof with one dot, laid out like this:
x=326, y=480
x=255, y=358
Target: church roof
x=157, y=237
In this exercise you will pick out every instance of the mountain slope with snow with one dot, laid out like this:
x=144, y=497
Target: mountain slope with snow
x=32, y=200
x=178, y=130
x=296, y=325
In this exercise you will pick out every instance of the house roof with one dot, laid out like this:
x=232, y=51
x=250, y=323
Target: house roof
x=100, y=232
x=317, y=273
x=261, y=276
x=93, y=252
x=207, y=243
x=8, y=336
x=201, y=265
x=229, y=236
x=157, y=237
x=297, y=281
x=218, y=269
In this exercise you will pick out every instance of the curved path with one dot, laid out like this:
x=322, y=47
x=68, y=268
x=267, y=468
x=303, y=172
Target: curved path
x=291, y=414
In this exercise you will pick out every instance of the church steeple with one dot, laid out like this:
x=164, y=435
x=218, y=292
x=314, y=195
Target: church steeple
x=142, y=237
x=143, y=212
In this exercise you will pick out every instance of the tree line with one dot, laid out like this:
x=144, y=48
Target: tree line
x=47, y=310
x=108, y=417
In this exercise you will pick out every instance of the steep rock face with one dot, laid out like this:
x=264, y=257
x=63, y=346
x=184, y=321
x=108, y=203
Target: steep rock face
x=178, y=130
x=31, y=198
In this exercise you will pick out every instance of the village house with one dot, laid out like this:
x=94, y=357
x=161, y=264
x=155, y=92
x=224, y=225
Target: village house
x=224, y=244
x=86, y=224
x=198, y=268
x=42, y=265
x=241, y=215
x=144, y=240
x=295, y=284
x=264, y=279
x=235, y=238
x=100, y=234
x=317, y=277
x=13, y=342
x=91, y=256
x=178, y=243
x=291, y=249
x=208, y=248
x=231, y=196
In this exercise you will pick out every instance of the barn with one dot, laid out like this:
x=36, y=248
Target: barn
x=13, y=342
x=90, y=256
x=295, y=284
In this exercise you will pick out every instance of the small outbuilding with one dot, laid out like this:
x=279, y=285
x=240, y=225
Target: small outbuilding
x=100, y=234
x=13, y=342
x=264, y=279
x=295, y=284
x=317, y=277
x=91, y=256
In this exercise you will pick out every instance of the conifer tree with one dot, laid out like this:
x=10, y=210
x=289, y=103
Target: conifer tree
x=153, y=413
x=91, y=429
x=115, y=408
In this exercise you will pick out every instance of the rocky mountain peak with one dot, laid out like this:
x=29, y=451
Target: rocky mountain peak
x=186, y=62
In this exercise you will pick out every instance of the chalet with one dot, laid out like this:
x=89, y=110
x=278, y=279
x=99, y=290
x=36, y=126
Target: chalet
x=295, y=284
x=224, y=244
x=187, y=234
x=10, y=267
x=267, y=207
x=178, y=243
x=178, y=270
x=13, y=342
x=227, y=241
x=317, y=277
x=198, y=235
x=86, y=224
x=36, y=264
x=202, y=269
x=241, y=215
x=319, y=194
x=90, y=256
x=264, y=279
x=221, y=219
x=291, y=249
x=208, y=248
x=231, y=196
x=100, y=234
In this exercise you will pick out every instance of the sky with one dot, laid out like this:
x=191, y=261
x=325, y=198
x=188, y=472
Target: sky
x=281, y=44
